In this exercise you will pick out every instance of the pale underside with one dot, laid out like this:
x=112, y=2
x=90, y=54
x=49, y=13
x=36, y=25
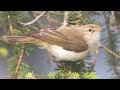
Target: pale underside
x=62, y=54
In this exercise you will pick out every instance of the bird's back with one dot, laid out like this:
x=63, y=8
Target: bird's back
x=70, y=38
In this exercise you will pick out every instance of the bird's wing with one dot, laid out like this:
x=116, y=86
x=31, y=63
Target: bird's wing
x=65, y=37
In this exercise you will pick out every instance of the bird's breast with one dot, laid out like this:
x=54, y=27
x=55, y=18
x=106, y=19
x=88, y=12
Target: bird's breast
x=94, y=43
x=62, y=54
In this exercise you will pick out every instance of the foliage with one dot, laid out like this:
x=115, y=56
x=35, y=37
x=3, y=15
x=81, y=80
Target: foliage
x=31, y=75
x=91, y=75
x=72, y=75
x=80, y=18
x=23, y=68
x=74, y=17
x=63, y=75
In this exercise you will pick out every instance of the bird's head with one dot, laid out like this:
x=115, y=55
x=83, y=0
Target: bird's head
x=91, y=31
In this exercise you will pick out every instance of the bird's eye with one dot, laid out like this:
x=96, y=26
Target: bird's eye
x=90, y=30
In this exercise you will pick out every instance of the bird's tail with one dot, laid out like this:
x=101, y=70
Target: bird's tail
x=19, y=39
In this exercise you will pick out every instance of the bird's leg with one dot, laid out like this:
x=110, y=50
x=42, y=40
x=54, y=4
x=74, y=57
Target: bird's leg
x=56, y=60
x=49, y=59
x=61, y=64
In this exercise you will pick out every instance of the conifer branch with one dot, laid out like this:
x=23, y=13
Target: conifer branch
x=18, y=62
x=110, y=51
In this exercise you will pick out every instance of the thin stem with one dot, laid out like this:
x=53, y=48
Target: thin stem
x=10, y=25
x=34, y=16
x=114, y=19
x=113, y=16
x=110, y=51
x=65, y=23
x=31, y=22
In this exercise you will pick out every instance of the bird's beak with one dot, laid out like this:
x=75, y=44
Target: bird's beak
x=98, y=30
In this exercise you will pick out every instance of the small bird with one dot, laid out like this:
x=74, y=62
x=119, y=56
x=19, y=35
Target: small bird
x=67, y=43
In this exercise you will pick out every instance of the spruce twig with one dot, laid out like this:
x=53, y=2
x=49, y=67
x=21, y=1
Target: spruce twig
x=18, y=62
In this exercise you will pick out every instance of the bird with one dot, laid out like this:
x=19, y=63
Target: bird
x=66, y=43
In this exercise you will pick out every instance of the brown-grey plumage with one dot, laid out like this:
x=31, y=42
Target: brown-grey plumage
x=73, y=39
x=64, y=38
